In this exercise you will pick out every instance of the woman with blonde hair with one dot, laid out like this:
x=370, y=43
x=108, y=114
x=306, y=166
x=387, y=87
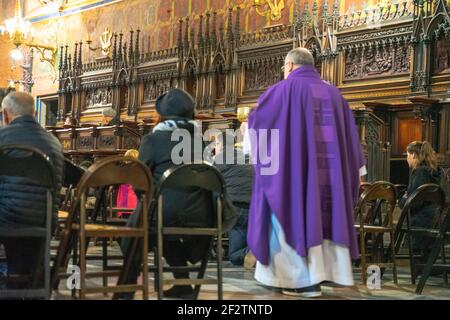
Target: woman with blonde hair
x=422, y=161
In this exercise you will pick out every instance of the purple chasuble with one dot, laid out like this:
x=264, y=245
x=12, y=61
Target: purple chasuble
x=316, y=186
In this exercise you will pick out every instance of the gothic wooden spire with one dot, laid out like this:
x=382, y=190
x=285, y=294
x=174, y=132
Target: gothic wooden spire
x=69, y=66
x=186, y=34
x=137, y=49
x=120, y=55
x=200, y=32
x=336, y=7
x=207, y=34
x=306, y=11
x=237, y=29
x=180, y=33
x=214, y=26
x=130, y=51
x=75, y=56
x=66, y=65
x=61, y=56
x=230, y=25
x=192, y=35
x=115, y=48
x=325, y=9
x=80, y=55
x=221, y=31
x=314, y=10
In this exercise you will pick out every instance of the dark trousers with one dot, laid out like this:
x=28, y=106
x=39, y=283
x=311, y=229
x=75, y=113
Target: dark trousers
x=177, y=253
x=23, y=256
x=237, y=236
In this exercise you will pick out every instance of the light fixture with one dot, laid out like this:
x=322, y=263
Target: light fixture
x=105, y=41
x=272, y=7
x=16, y=54
x=20, y=33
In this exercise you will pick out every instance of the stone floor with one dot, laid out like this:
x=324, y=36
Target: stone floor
x=239, y=284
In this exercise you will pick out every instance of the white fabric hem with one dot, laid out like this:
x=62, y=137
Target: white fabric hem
x=267, y=280
x=287, y=269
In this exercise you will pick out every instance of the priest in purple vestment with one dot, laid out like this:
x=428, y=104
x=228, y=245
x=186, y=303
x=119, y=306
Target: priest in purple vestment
x=301, y=227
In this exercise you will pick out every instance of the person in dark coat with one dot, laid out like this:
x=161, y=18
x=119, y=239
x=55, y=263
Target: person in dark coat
x=423, y=164
x=182, y=207
x=238, y=176
x=22, y=202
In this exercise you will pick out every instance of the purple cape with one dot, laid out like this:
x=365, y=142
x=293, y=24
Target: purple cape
x=316, y=187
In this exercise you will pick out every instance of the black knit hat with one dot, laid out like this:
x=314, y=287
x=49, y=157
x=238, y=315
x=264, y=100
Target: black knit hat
x=176, y=103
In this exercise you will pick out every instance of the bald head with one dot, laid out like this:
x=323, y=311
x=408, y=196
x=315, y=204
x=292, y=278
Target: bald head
x=296, y=58
x=17, y=104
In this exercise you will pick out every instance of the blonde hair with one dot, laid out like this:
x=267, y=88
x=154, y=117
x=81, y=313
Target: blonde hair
x=424, y=152
x=132, y=153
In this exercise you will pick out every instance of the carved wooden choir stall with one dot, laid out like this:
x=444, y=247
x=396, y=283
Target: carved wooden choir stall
x=392, y=64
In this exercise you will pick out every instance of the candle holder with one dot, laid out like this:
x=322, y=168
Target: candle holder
x=273, y=8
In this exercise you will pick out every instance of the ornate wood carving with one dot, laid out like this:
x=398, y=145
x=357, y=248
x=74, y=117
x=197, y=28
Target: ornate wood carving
x=442, y=61
x=377, y=62
x=388, y=53
x=100, y=97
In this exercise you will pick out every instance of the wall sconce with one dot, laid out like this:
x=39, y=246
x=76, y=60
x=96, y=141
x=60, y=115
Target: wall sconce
x=105, y=42
x=272, y=7
x=19, y=31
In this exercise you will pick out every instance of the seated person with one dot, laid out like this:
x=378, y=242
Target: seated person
x=110, y=117
x=423, y=164
x=22, y=202
x=184, y=206
x=70, y=121
x=238, y=176
x=126, y=197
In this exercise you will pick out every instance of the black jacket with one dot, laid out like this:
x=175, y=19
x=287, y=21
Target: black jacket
x=238, y=176
x=421, y=214
x=182, y=207
x=115, y=121
x=22, y=202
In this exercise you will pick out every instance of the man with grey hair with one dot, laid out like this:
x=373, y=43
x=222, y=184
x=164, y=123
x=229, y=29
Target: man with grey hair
x=301, y=217
x=295, y=59
x=22, y=201
x=110, y=117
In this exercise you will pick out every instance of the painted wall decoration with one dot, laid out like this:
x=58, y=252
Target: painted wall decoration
x=69, y=21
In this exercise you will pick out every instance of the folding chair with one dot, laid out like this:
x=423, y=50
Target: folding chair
x=378, y=194
x=31, y=163
x=430, y=193
x=208, y=178
x=439, y=236
x=72, y=175
x=427, y=193
x=106, y=172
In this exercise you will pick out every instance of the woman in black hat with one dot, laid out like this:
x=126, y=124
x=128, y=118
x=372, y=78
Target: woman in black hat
x=182, y=207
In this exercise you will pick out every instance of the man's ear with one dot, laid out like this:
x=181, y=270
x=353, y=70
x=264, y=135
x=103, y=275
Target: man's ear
x=291, y=66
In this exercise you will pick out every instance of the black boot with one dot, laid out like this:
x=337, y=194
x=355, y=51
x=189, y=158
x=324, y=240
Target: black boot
x=180, y=292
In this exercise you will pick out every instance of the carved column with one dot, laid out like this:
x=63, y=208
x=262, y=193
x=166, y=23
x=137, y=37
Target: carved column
x=427, y=110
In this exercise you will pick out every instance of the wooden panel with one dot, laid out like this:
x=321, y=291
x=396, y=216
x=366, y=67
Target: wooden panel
x=408, y=130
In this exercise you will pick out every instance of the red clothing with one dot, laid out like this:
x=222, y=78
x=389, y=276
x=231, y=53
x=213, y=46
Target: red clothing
x=126, y=198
